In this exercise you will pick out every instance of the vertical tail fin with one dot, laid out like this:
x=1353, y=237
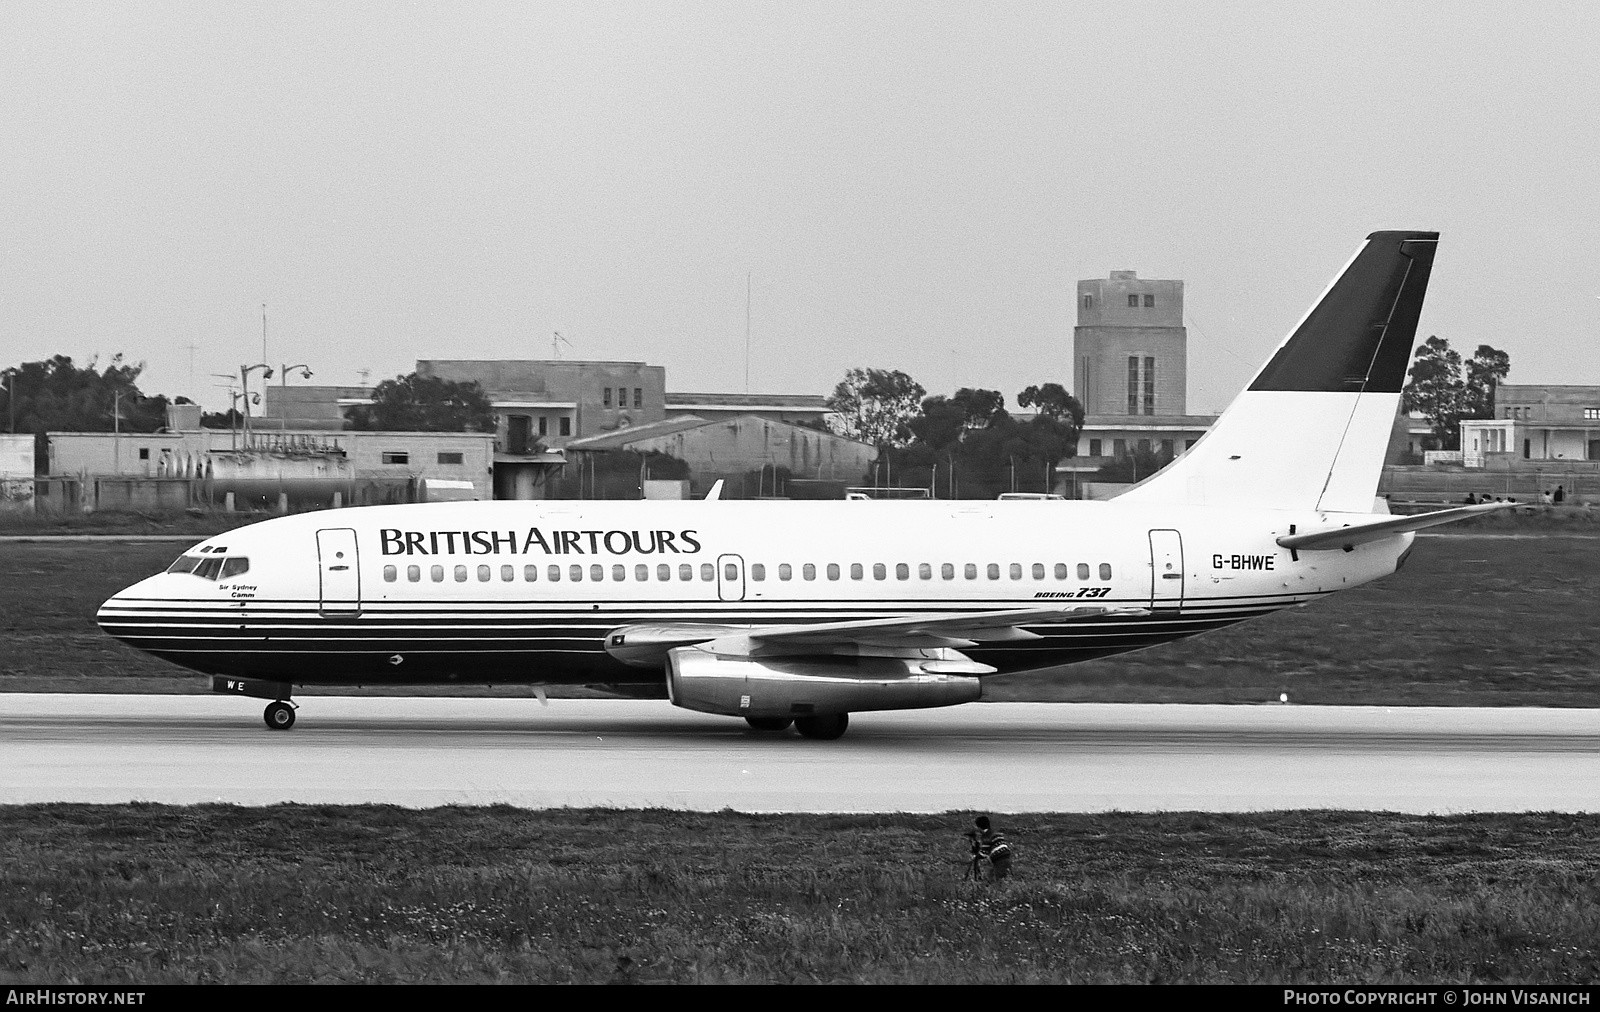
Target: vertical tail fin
x=1311, y=429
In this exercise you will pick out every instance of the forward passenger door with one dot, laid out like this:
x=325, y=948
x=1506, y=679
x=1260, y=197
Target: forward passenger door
x=340, y=571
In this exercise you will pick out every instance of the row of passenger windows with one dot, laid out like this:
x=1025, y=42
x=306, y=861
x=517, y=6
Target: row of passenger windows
x=758, y=572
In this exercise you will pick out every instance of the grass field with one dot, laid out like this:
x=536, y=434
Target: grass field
x=150, y=894
x=1472, y=620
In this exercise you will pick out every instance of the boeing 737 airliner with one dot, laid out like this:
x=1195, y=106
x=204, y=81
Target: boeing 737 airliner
x=801, y=613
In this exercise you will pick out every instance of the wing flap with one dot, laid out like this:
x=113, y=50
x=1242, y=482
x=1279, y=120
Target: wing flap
x=647, y=645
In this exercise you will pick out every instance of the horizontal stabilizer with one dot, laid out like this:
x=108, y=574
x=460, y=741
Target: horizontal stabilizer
x=1350, y=535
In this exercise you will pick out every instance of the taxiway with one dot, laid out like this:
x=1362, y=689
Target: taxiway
x=1005, y=757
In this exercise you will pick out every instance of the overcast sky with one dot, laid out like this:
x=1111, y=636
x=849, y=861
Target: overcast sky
x=913, y=186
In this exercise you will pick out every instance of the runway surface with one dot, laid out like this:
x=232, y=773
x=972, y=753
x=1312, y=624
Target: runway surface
x=1006, y=757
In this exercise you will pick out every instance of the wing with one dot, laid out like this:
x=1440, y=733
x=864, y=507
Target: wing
x=647, y=645
x=1350, y=535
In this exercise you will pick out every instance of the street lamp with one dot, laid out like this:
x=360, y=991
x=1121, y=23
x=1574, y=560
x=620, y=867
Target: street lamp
x=244, y=381
x=283, y=383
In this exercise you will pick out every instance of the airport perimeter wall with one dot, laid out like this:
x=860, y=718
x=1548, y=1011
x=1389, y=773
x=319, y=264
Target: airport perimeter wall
x=1579, y=481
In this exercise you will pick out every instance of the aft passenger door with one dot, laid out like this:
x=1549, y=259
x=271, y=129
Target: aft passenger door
x=730, y=577
x=1166, y=569
x=340, y=572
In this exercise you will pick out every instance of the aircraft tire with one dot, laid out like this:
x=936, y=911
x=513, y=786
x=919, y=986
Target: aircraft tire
x=769, y=723
x=279, y=716
x=824, y=727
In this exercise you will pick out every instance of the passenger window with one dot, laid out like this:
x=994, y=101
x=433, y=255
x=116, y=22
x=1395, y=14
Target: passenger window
x=436, y=573
x=808, y=572
x=902, y=571
x=461, y=574
x=685, y=572
x=708, y=572
x=1105, y=570
x=856, y=572
x=758, y=572
x=1083, y=570
x=879, y=571
x=619, y=572
x=970, y=571
x=597, y=572
x=508, y=573
x=730, y=572
x=390, y=574
x=833, y=570
x=924, y=571
x=575, y=573
x=237, y=565
x=483, y=574
x=663, y=572
x=530, y=574
x=1016, y=570
x=414, y=573
x=554, y=573
x=1061, y=570
x=947, y=571
x=1038, y=570
x=994, y=570
x=641, y=573
x=785, y=571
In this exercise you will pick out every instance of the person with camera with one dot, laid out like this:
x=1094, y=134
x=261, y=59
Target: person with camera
x=988, y=842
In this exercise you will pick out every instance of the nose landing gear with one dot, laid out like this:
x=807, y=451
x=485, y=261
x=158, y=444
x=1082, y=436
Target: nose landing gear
x=279, y=715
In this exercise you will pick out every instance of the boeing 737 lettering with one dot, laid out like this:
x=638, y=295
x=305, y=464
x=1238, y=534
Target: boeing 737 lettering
x=805, y=612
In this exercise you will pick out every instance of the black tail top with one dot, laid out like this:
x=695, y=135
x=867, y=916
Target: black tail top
x=1358, y=337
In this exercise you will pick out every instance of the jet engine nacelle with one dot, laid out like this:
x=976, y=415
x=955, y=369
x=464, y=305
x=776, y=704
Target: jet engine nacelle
x=796, y=687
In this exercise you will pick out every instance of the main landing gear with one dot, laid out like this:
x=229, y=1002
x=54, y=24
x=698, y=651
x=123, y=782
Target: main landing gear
x=821, y=727
x=279, y=715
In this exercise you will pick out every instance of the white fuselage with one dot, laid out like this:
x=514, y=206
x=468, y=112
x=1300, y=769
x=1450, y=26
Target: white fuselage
x=528, y=591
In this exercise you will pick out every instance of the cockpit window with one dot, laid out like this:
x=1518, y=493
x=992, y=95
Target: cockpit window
x=211, y=567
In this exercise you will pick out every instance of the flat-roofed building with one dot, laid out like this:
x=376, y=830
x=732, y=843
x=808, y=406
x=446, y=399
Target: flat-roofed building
x=1542, y=421
x=798, y=409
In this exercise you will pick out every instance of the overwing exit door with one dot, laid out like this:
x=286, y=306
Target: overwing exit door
x=730, y=577
x=339, y=571
x=1166, y=569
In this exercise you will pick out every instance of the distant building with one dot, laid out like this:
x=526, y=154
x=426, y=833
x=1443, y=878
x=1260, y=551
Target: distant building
x=16, y=473
x=306, y=464
x=735, y=449
x=1130, y=371
x=1536, y=422
x=1130, y=346
x=799, y=409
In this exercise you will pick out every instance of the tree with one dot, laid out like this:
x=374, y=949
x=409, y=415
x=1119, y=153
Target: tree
x=56, y=396
x=1485, y=370
x=875, y=406
x=1436, y=390
x=1136, y=465
x=1053, y=401
x=415, y=403
x=981, y=408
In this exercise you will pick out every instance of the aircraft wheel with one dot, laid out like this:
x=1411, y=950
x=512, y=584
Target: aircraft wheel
x=769, y=723
x=279, y=716
x=825, y=727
